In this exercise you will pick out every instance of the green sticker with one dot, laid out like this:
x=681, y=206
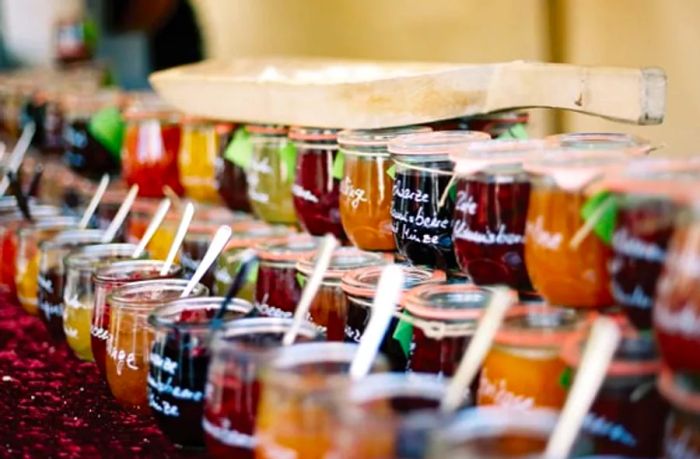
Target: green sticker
x=339, y=165
x=602, y=208
x=251, y=277
x=107, y=127
x=453, y=193
x=565, y=378
x=515, y=132
x=240, y=150
x=404, y=335
x=391, y=172
x=301, y=280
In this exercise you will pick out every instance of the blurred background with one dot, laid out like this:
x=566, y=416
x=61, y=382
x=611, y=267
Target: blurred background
x=136, y=36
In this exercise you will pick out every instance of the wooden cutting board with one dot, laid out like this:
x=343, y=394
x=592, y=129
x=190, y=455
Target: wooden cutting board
x=363, y=94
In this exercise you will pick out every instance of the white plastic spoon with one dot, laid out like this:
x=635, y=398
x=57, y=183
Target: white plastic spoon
x=218, y=242
x=94, y=202
x=179, y=237
x=17, y=155
x=2, y=151
x=323, y=259
x=152, y=227
x=388, y=291
x=119, y=218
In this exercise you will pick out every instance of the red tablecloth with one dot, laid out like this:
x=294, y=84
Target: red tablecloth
x=53, y=405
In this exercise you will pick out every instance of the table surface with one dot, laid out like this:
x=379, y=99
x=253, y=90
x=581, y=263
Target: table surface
x=54, y=405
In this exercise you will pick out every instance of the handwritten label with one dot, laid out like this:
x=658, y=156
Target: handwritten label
x=601, y=427
x=356, y=196
x=487, y=237
x=304, y=194
x=542, y=237
x=99, y=333
x=187, y=262
x=46, y=284
x=352, y=334
x=684, y=321
x=50, y=309
x=625, y=243
x=680, y=447
x=418, y=196
x=122, y=358
x=228, y=436
x=271, y=311
x=638, y=298
x=465, y=203
x=70, y=331
x=499, y=393
x=164, y=363
x=181, y=393
x=164, y=407
x=257, y=168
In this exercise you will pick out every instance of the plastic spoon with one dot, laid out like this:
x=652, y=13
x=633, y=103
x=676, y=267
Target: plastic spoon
x=94, y=202
x=218, y=242
x=119, y=218
x=17, y=154
x=383, y=306
x=2, y=151
x=597, y=355
x=152, y=227
x=501, y=299
x=246, y=259
x=323, y=259
x=179, y=237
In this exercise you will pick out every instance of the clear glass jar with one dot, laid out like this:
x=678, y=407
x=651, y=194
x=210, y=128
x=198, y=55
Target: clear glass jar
x=366, y=188
x=199, y=148
x=131, y=338
x=315, y=190
x=601, y=141
x=230, y=178
x=270, y=175
x=179, y=362
x=301, y=388
x=422, y=207
x=682, y=432
x=106, y=279
x=239, y=355
x=329, y=307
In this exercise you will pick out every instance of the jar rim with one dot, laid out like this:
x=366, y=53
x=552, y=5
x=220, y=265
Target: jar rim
x=73, y=237
x=267, y=129
x=91, y=255
x=164, y=317
x=548, y=333
x=434, y=143
x=51, y=223
x=245, y=236
x=259, y=325
x=599, y=140
x=118, y=297
x=680, y=397
x=483, y=154
x=313, y=134
x=344, y=259
x=375, y=138
x=363, y=282
x=109, y=273
x=287, y=249
x=377, y=386
x=417, y=301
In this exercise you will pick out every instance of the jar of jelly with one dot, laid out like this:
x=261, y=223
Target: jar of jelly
x=49, y=119
x=329, y=307
x=315, y=189
x=79, y=292
x=239, y=355
x=151, y=146
x=523, y=368
x=179, y=362
x=107, y=278
x=277, y=290
x=422, y=207
x=301, y=386
x=270, y=174
x=491, y=207
x=131, y=338
x=199, y=148
x=230, y=178
x=682, y=433
x=245, y=236
x=366, y=187
x=602, y=141
x=360, y=287
x=627, y=415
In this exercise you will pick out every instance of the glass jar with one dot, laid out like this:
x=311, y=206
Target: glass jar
x=151, y=146
x=366, y=187
x=682, y=433
x=270, y=174
x=422, y=207
x=199, y=148
x=194, y=246
x=27, y=265
x=627, y=415
x=491, y=208
x=179, y=362
x=315, y=189
x=106, y=211
x=602, y=141
x=79, y=292
x=131, y=338
x=52, y=275
x=329, y=307
x=301, y=387
x=239, y=355
x=230, y=178
x=495, y=124
x=277, y=290
x=106, y=279
x=523, y=368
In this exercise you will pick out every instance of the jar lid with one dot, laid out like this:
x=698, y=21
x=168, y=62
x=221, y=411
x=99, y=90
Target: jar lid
x=249, y=233
x=502, y=117
x=476, y=156
x=266, y=129
x=601, y=141
x=540, y=326
x=344, y=259
x=148, y=106
x=438, y=143
x=313, y=134
x=376, y=137
x=224, y=127
x=449, y=302
x=288, y=249
x=363, y=282
x=679, y=391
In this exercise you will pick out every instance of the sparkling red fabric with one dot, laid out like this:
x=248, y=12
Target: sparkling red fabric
x=54, y=406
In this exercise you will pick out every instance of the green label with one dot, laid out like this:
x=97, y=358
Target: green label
x=391, y=172
x=339, y=165
x=515, y=132
x=301, y=280
x=602, y=208
x=404, y=335
x=240, y=149
x=288, y=154
x=107, y=127
x=565, y=378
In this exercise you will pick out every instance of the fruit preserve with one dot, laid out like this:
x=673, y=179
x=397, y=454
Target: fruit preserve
x=422, y=203
x=196, y=160
x=179, y=363
x=329, y=307
x=491, y=207
x=230, y=178
x=239, y=355
x=366, y=187
x=315, y=188
x=682, y=435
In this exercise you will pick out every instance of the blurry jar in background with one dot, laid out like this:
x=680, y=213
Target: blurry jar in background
x=682, y=434
x=602, y=141
x=45, y=110
x=494, y=124
x=199, y=147
x=230, y=178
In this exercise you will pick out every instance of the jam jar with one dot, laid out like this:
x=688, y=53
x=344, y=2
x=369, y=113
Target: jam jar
x=107, y=278
x=494, y=124
x=278, y=290
x=315, y=189
x=270, y=174
x=230, y=178
x=523, y=368
x=179, y=363
x=366, y=186
x=682, y=433
x=131, y=338
x=151, y=146
x=360, y=287
x=422, y=207
x=602, y=141
x=329, y=307
x=194, y=246
x=196, y=162
x=627, y=415
x=239, y=355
